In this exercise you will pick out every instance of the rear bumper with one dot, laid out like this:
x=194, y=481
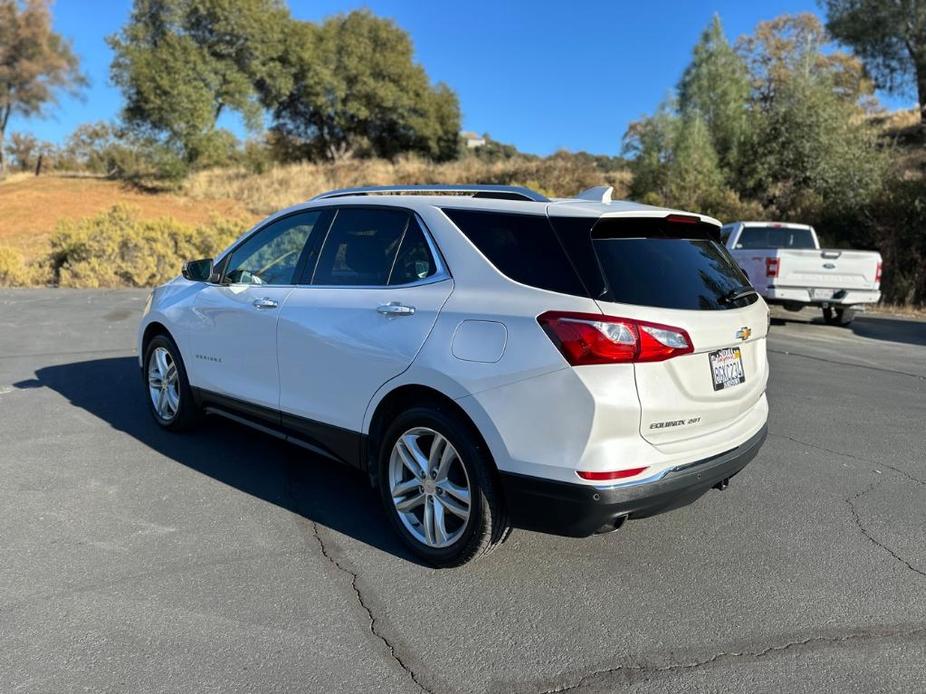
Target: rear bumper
x=801, y=295
x=578, y=510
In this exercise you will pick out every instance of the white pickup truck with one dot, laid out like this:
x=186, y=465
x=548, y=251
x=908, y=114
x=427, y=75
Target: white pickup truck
x=786, y=265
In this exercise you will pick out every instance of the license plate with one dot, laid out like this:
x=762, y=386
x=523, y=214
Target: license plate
x=727, y=368
x=822, y=294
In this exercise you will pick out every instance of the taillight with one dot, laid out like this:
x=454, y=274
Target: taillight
x=589, y=338
x=772, y=265
x=613, y=475
x=878, y=273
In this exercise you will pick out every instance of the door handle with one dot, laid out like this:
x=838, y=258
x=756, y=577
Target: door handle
x=394, y=308
x=264, y=302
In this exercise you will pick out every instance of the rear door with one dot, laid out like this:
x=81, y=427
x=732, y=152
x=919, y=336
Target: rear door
x=678, y=274
x=364, y=312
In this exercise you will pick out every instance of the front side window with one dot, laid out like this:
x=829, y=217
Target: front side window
x=361, y=247
x=272, y=255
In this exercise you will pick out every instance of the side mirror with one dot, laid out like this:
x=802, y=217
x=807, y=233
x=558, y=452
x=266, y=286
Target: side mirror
x=198, y=270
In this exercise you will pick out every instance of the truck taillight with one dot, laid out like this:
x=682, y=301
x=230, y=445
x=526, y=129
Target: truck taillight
x=878, y=273
x=772, y=265
x=589, y=338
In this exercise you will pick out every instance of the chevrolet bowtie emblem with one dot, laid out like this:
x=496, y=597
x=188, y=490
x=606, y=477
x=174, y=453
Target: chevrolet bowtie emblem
x=743, y=333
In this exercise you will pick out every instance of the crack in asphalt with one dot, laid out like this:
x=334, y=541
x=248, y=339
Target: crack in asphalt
x=850, y=501
x=848, y=363
x=302, y=520
x=366, y=608
x=904, y=473
x=734, y=655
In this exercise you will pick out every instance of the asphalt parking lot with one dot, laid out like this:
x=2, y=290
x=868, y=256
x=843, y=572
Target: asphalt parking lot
x=136, y=560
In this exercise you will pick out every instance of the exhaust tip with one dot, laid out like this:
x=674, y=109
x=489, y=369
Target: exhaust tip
x=612, y=526
x=722, y=484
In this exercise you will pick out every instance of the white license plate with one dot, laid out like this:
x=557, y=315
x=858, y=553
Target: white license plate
x=822, y=294
x=727, y=368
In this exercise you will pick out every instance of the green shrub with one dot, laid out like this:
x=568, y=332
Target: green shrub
x=117, y=249
x=13, y=270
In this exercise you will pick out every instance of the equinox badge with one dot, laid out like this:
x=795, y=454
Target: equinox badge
x=743, y=333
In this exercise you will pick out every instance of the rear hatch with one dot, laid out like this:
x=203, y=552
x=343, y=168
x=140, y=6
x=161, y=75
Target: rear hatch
x=674, y=272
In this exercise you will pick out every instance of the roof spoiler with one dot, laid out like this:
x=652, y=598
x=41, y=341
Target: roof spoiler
x=600, y=194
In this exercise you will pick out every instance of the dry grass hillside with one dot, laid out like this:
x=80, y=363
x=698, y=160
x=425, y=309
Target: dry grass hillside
x=901, y=129
x=83, y=231
x=32, y=207
x=286, y=185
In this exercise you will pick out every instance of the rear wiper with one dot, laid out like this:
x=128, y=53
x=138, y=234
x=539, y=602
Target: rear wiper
x=738, y=293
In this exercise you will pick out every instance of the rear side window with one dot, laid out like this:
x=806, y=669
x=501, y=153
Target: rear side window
x=669, y=265
x=361, y=247
x=522, y=247
x=775, y=237
x=414, y=261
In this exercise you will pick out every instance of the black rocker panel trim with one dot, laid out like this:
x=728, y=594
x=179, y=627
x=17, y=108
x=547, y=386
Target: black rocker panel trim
x=334, y=442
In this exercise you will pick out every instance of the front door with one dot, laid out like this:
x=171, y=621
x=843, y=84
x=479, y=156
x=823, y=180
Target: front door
x=233, y=336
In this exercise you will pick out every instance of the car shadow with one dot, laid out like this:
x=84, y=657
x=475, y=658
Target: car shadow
x=335, y=496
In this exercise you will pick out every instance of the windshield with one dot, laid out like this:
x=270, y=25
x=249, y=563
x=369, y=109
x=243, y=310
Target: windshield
x=775, y=237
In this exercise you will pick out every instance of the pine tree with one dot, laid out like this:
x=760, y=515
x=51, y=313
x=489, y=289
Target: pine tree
x=715, y=87
x=695, y=176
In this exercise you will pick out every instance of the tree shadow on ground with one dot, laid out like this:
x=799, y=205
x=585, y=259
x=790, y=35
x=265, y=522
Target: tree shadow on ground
x=910, y=332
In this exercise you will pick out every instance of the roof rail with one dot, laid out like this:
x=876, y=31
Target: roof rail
x=477, y=191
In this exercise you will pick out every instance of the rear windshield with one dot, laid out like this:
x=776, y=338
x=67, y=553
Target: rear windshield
x=775, y=237
x=651, y=262
x=647, y=262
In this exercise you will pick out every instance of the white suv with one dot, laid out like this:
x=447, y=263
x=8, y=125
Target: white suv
x=491, y=358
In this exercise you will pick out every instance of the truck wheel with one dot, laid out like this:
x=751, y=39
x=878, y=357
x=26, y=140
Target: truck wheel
x=839, y=316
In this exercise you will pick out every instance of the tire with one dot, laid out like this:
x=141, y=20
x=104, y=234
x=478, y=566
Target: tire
x=450, y=541
x=839, y=316
x=180, y=411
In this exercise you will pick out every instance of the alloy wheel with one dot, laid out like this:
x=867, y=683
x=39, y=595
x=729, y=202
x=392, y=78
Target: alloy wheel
x=163, y=384
x=430, y=487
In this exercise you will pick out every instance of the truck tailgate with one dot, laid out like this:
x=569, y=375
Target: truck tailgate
x=826, y=269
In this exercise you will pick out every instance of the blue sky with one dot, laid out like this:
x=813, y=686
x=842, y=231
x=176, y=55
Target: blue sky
x=540, y=75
